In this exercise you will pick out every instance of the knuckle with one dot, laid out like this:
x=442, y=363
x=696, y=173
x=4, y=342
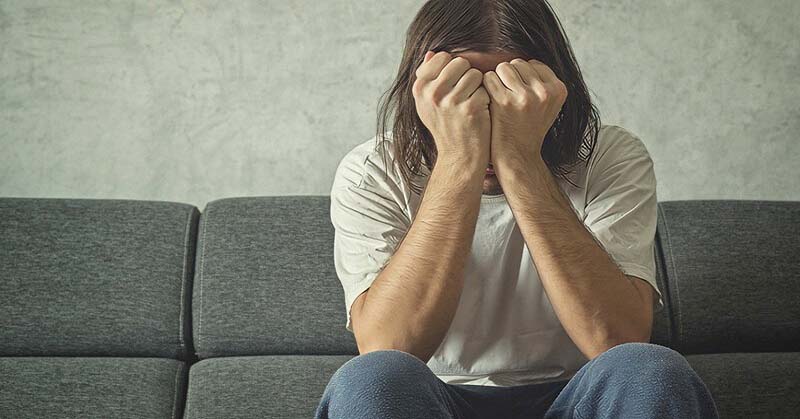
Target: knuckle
x=474, y=72
x=541, y=93
x=561, y=89
x=437, y=97
x=460, y=60
x=416, y=87
x=447, y=102
x=469, y=111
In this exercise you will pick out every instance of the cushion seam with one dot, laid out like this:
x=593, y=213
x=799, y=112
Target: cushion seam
x=181, y=331
x=676, y=282
x=175, y=397
x=204, y=220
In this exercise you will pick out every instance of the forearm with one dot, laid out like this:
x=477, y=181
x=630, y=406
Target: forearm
x=589, y=293
x=411, y=303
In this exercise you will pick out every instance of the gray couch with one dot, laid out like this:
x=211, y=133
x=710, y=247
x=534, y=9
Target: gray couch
x=152, y=309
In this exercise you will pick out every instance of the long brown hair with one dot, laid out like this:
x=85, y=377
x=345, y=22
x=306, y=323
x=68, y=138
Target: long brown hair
x=529, y=28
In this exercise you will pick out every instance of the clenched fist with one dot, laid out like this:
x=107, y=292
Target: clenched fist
x=526, y=99
x=454, y=106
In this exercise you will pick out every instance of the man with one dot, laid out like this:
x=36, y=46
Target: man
x=501, y=291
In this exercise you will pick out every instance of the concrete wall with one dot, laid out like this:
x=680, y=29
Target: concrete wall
x=198, y=100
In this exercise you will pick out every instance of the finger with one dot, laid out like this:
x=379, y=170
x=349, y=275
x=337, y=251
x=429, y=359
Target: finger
x=525, y=70
x=481, y=95
x=427, y=56
x=545, y=73
x=430, y=70
x=453, y=71
x=510, y=78
x=494, y=86
x=467, y=84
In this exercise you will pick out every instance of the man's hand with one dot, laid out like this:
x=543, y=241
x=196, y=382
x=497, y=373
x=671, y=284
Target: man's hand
x=526, y=98
x=453, y=105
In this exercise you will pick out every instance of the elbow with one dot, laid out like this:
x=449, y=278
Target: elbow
x=370, y=336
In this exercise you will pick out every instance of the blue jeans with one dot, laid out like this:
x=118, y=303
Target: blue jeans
x=631, y=380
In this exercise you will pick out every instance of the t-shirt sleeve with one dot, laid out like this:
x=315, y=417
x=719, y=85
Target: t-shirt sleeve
x=621, y=205
x=369, y=223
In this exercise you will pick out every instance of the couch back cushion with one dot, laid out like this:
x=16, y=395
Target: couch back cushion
x=265, y=282
x=95, y=277
x=733, y=274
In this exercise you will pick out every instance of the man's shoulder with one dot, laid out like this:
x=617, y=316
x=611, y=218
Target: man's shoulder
x=615, y=143
x=368, y=158
x=617, y=137
x=372, y=148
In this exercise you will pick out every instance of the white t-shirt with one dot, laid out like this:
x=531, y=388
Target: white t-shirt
x=505, y=331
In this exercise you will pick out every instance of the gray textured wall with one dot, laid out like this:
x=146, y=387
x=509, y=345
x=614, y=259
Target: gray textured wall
x=199, y=100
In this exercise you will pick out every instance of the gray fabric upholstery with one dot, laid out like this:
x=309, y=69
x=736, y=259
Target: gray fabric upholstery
x=285, y=387
x=239, y=283
x=752, y=385
x=94, y=387
x=86, y=277
x=733, y=274
x=101, y=300
x=265, y=281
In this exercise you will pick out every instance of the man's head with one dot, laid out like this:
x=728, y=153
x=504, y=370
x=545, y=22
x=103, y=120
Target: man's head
x=486, y=33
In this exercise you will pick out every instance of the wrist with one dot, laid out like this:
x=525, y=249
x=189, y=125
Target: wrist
x=462, y=169
x=519, y=160
x=465, y=160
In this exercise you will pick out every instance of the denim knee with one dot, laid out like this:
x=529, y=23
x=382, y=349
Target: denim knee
x=637, y=379
x=390, y=370
x=643, y=360
x=386, y=383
